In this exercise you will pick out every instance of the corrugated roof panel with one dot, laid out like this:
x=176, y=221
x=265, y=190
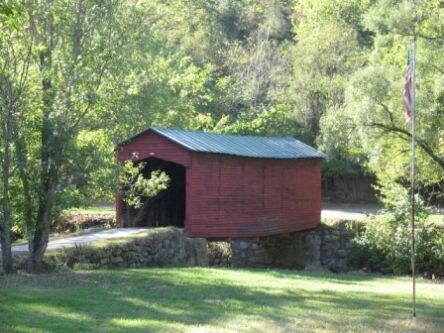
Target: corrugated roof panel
x=237, y=145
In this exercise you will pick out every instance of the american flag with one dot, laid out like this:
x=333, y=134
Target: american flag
x=408, y=89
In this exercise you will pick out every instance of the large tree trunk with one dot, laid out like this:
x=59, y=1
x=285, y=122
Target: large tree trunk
x=21, y=152
x=48, y=170
x=5, y=234
x=41, y=233
x=60, y=116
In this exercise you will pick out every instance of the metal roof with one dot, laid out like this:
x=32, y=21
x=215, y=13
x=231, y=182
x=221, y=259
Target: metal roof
x=237, y=145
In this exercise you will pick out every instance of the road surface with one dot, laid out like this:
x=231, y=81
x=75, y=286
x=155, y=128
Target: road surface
x=88, y=237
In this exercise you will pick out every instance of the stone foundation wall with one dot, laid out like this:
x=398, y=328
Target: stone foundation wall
x=325, y=246
x=161, y=247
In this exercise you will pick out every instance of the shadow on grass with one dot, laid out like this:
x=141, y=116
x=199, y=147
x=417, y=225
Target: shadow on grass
x=176, y=299
x=326, y=276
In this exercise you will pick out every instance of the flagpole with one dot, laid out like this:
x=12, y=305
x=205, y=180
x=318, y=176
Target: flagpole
x=412, y=179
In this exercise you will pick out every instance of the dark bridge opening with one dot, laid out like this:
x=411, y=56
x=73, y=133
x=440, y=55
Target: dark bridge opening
x=167, y=208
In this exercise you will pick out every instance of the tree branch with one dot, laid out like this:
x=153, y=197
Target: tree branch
x=406, y=135
x=102, y=70
x=389, y=113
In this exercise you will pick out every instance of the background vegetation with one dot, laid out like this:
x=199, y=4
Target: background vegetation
x=77, y=77
x=384, y=242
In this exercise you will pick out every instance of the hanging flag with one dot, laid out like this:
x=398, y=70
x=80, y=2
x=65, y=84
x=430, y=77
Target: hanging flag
x=408, y=88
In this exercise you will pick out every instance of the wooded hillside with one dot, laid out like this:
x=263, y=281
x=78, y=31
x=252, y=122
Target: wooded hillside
x=77, y=77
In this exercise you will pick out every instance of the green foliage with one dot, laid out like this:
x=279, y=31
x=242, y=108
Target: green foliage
x=278, y=120
x=133, y=185
x=397, y=202
x=96, y=175
x=385, y=242
x=373, y=97
x=9, y=15
x=315, y=70
x=385, y=245
x=84, y=75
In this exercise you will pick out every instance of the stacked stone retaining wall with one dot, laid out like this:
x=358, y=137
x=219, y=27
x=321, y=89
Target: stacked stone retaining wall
x=325, y=246
x=160, y=247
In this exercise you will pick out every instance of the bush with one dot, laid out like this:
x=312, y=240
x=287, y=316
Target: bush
x=385, y=245
x=385, y=242
x=75, y=221
x=219, y=253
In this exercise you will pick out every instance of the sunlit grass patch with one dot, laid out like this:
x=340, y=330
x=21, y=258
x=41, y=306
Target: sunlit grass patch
x=216, y=300
x=91, y=210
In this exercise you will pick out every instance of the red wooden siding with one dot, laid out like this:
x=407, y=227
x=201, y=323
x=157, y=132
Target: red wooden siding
x=238, y=197
x=153, y=145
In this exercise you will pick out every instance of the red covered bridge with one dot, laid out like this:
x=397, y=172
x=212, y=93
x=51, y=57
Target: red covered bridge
x=226, y=186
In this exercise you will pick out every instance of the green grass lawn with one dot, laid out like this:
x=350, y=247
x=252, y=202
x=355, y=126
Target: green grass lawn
x=215, y=300
x=91, y=210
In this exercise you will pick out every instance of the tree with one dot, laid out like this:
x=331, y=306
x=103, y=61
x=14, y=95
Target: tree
x=75, y=45
x=14, y=65
x=331, y=43
x=375, y=92
x=80, y=76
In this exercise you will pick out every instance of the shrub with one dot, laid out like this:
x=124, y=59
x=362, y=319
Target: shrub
x=385, y=245
x=219, y=253
x=75, y=221
x=385, y=242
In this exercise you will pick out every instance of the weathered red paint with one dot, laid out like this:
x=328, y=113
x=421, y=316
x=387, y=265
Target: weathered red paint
x=238, y=197
x=151, y=144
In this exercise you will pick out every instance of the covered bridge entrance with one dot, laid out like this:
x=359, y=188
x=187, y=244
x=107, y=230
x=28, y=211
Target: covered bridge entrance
x=165, y=209
x=226, y=186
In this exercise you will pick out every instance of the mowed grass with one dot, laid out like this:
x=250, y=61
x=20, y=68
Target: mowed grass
x=91, y=210
x=215, y=300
